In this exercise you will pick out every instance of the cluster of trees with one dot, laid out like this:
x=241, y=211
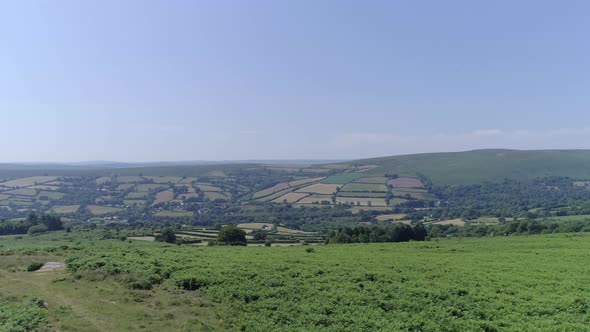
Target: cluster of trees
x=33, y=224
x=228, y=235
x=512, y=198
x=387, y=233
x=167, y=235
x=231, y=236
x=522, y=227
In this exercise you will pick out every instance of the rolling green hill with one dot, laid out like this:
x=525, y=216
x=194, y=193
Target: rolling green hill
x=485, y=165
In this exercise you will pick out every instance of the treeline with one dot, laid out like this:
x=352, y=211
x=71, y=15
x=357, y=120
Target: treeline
x=387, y=233
x=512, y=198
x=523, y=227
x=32, y=224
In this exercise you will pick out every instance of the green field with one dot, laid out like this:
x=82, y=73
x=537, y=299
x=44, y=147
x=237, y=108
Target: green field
x=137, y=202
x=365, y=187
x=213, y=195
x=207, y=187
x=360, y=194
x=485, y=165
x=28, y=181
x=136, y=195
x=51, y=194
x=98, y=210
x=377, y=179
x=164, y=179
x=413, y=194
x=149, y=186
x=342, y=178
x=22, y=192
x=364, y=201
x=522, y=283
x=65, y=209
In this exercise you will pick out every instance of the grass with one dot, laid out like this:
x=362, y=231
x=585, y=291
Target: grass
x=361, y=194
x=275, y=195
x=256, y=225
x=213, y=195
x=97, y=305
x=130, y=179
x=376, y=179
x=320, y=188
x=44, y=187
x=138, y=202
x=164, y=196
x=342, y=178
x=315, y=198
x=28, y=181
x=164, y=179
x=413, y=194
x=125, y=186
x=521, y=283
x=145, y=187
x=391, y=217
x=486, y=165
x=290, y=197
x=136, y=195
x=205, y=187
x=269, y=191
x=365, y=187
x=525, y=283
x=65, y=209
x=22, y=192
x=51, y=194
x=102, y=210
x=362, y=201
x=304, y=181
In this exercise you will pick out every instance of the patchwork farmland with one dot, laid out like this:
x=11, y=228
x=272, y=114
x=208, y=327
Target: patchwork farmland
x=351, y=188
x=194, y=194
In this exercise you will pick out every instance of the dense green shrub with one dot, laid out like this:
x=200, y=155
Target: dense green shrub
x=496, y=283
x=232, y=236
x=168, y=235
x=34, y=266
x=29, y=317
x=37, y=229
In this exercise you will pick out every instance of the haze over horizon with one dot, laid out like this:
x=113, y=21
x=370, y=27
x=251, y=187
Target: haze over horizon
x=143, y=81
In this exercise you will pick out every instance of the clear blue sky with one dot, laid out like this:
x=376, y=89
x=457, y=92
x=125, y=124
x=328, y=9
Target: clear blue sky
x=192, y=80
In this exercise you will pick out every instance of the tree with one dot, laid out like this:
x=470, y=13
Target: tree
x=232, y=236
x=168, y=235
x=420, y=232
x=53, y=223
x=259, y=235
x=37, y=229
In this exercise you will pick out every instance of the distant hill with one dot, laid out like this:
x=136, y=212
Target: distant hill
x=485, y=165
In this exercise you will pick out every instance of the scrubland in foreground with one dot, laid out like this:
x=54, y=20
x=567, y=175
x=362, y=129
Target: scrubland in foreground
x=524, y=283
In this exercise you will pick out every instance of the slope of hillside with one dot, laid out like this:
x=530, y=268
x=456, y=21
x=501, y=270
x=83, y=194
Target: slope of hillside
x=485, y=165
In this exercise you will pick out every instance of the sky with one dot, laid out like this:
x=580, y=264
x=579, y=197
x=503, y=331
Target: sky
x=237, y=80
